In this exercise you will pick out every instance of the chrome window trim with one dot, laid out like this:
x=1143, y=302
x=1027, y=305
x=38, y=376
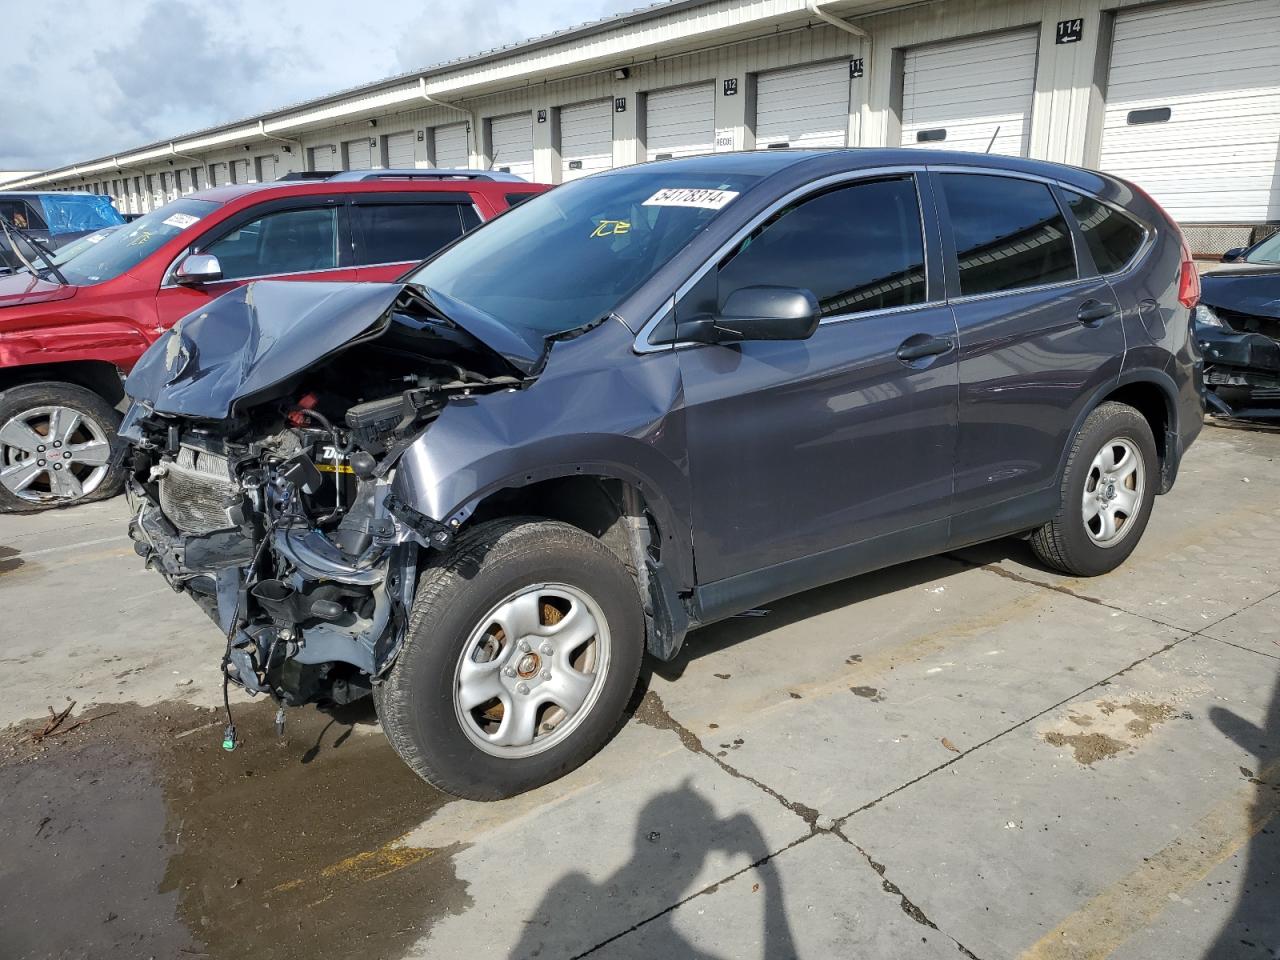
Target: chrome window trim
x=267, y=276
x=641, y=343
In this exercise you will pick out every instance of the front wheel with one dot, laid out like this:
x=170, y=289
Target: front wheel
x=523, y=648
x=1107, y=489
x=55, y=446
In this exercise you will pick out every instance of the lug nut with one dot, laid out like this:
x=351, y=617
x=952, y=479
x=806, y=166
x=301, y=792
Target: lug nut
x=522, y=688
x=508, y=671
x=39, y=463
x=524, y=646
x=546, y=674
x=546, y=650
x=57, y=443
x=40, y=448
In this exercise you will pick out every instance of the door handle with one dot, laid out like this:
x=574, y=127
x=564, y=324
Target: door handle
x=1095, y=311
x=923, y=345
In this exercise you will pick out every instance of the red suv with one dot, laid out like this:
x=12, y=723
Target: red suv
x=68, y=334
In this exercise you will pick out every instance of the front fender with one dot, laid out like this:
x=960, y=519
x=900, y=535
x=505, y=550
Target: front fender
x=598, y=409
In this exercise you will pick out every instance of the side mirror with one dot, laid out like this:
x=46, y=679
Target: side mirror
x=198, y=268
x=1234, y=254
x=757, y=313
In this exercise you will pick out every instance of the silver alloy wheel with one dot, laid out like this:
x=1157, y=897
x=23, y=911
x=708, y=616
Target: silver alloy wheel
x=53, y=453
x=1113, y=492
x=531, y=670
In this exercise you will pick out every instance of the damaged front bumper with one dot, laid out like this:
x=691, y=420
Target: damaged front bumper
x=1242, y=368
x=325, y=626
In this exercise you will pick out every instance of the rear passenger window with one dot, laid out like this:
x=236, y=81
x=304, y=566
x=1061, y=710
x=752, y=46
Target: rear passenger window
x=1113, y=238
x=856, y=248
x=401, y=232
x=515, y=199
x=1009, y=233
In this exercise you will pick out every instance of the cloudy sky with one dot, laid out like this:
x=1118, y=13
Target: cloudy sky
x=92, y=77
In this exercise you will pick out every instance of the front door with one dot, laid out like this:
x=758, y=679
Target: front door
x=801, y=450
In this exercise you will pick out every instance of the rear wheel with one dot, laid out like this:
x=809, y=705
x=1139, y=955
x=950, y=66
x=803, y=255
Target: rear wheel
x=55, y=446
x=523, y=648
x=1108, y=488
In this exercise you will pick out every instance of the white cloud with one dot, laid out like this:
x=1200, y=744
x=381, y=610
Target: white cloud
x=100, y=76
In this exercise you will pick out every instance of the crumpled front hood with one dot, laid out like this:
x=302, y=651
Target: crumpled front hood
x=1254, y=289
x=255, y=337
x=20, y=289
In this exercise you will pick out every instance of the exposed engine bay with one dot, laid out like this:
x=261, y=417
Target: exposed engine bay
x=272, y=507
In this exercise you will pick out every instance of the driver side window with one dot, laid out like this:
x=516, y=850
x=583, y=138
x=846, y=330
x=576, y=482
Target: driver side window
x=857, y=248
x=286, y=241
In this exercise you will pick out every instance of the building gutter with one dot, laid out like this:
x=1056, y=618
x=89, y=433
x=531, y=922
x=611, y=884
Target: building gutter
x=815, y=8
x=472, y=127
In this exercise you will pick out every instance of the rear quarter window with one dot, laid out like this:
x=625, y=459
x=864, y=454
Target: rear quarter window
x=1113, y=238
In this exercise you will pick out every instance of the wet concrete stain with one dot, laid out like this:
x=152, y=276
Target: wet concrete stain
x=137, y=835
x=1114, y=728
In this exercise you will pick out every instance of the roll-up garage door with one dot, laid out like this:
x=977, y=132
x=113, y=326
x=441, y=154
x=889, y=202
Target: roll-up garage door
x=1193, y=108
x=680, y=122
x=267, y=168
x=400, y=150
x=586, y=139
x=240, y=171
x=218, y=174
x=511, y=139
x=358, y=153
x=961, y=94
x=323, y=157
x=452, y=150
x=184, y=181
x=803, y=107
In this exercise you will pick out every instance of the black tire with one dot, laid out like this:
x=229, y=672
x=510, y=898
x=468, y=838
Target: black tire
x=1064, y=543
x=19, y=400
x=416, y=701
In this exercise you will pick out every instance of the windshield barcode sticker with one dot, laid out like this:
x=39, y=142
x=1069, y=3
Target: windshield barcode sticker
x=691, y=197
x=180, y=220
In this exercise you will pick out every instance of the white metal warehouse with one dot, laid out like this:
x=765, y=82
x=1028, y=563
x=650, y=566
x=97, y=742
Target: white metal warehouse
x=1181, y=96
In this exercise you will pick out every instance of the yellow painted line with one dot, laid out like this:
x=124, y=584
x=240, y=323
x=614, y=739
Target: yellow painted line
x=1099, y=927
x=365, y=866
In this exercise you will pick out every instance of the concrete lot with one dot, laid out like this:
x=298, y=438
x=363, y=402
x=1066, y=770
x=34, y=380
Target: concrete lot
x=962, y=755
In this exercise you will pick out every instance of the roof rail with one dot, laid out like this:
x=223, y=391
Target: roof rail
x=426, y=174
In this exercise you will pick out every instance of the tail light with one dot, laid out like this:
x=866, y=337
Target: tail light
x=1188, y=279
x=1188, y=275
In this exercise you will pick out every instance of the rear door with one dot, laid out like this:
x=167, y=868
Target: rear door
x=392, y=232
x=799, y=450
x=1040, y=333
x=304, y=238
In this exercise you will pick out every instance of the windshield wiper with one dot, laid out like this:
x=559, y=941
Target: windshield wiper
x=10, y=229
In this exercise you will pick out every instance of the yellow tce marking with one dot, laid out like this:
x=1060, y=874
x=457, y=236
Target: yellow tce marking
x=612, y=228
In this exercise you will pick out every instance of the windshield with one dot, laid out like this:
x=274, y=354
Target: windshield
x=1268, y=251
x=570, y=256
x=76, y=213
x=80, y=245
x=129, y=245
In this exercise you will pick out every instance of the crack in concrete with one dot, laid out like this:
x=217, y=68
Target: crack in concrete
x=709, y=888
x=654, y=713
x=1260, y=653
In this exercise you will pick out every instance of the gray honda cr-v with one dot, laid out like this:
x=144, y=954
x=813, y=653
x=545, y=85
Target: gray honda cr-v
x=643, y=402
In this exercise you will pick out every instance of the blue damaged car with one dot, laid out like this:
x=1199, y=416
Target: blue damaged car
x=643, y=402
